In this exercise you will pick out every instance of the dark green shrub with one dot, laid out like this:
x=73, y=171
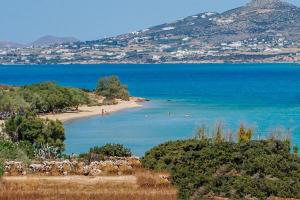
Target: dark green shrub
x=257, y=169
x=114, y=150
x=27, y=147
x=35, y=130
x=111, y=150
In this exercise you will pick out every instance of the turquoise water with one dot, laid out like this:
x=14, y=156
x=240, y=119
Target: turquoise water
x=262, y=96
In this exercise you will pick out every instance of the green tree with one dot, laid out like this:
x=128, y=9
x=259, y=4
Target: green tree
x=12, y=103
x=42, y=98
x=111, y=88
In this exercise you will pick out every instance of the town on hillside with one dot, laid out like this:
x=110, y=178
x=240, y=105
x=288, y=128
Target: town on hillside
x=261, y=31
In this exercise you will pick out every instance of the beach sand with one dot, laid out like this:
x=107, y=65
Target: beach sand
x=89, y=111
x=86, y=111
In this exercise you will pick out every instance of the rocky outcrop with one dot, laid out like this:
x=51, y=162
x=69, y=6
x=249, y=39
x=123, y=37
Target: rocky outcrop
x=110, y=166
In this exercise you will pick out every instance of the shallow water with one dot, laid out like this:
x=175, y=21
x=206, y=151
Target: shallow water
x=183, y=97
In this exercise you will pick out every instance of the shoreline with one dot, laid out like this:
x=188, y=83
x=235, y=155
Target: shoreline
x=135, y=63
x=86, y=111
x=90, y=111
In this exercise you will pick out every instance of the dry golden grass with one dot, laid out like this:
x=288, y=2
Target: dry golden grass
x=148, y=179
x=146, y=186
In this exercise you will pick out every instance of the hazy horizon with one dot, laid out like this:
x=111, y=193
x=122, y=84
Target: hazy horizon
x=24, y=22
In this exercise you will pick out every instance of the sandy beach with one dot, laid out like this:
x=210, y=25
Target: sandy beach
x=86, y=111
x=89, y=111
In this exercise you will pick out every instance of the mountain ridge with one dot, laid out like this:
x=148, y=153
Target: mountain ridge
x=49, y=40
x=43, y=41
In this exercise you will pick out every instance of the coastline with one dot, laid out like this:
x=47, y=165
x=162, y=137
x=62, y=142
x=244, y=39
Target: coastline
x=86, y=111
x=145, y=63
x=90, y=111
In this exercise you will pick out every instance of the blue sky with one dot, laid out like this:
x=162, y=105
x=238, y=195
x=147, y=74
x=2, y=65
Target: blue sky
x=26, y=20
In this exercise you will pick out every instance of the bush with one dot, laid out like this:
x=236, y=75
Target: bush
x=111, y=150
x=12, y=151
x=111, y=88
x=114, y=150
x=28, y=148
x=257, y=169
x=35, y=131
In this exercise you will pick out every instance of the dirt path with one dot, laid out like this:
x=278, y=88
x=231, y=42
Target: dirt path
x=73, y=179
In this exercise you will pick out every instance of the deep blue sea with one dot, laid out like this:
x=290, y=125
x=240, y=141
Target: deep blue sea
x=262, y=96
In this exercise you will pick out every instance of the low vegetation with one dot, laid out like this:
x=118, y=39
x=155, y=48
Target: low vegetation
x=22, y=151
x=208, y=167
x=107, y=150
x=35, y=130
x=111, y=88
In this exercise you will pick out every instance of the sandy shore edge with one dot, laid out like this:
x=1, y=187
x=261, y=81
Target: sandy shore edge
x=86, y=111
x=89, y=111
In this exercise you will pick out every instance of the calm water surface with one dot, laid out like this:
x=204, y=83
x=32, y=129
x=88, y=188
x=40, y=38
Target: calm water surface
x=262, y=96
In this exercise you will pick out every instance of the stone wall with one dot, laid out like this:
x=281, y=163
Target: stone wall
x=110, y=166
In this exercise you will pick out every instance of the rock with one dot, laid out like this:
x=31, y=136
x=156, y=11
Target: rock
x=111, y=165
x=95, y=172
x=35, y=167
x=86, y=170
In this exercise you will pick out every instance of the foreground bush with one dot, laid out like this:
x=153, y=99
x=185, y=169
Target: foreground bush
x=36, y=131
x=202, y=168
x=15, y=151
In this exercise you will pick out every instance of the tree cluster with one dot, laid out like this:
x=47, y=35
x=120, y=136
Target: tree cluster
x=41, y=98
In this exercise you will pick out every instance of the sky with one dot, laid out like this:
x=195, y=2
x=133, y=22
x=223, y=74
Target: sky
x=24, y=21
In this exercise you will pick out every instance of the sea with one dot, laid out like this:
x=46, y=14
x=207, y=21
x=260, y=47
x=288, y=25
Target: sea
x=183, y=97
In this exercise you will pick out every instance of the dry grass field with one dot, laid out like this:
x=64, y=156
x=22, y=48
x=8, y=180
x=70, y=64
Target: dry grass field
x=143, y=185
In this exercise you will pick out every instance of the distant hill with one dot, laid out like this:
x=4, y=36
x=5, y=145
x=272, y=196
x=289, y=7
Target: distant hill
x=258, y=19
x=259, y=27
x=52, y=40
x=9, y=44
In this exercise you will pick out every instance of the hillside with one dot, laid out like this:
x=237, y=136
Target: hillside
x=262, y=19
x=53, y=40
x=9, y=44
x=260, y=31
